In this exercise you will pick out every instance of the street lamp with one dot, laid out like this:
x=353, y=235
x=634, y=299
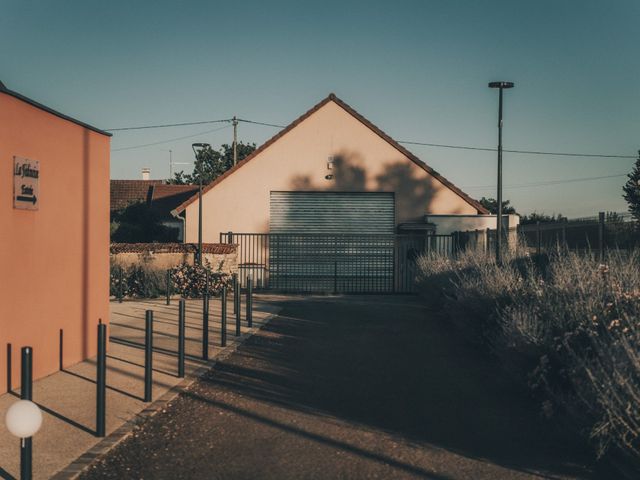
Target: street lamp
x=197, y=149
x=501, y=86
x=24, y=418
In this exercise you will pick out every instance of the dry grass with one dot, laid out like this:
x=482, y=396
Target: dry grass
x=571, y=322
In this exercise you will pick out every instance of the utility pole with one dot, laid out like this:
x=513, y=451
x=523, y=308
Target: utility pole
x=235, y=140
x=197, y=149
x=170, y=164
x=501, y=86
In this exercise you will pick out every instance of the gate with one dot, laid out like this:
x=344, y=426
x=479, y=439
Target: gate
x=333, y=263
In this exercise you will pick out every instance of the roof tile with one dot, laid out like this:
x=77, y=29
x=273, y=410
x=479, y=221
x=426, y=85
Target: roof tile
x=215, y=248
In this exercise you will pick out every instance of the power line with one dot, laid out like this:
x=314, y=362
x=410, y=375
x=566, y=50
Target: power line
x=186, y=124
x=260, y=123
x=406, y=142
x=169, y=140
x=144, y=127
x=549, y=182
x=527, y=152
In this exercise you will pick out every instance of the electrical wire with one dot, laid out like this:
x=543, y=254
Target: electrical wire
x=166, y=125
x=526, y=152
x=405, y=142
x=549, y=182
x=186, y=124
x=260, y=123
x=169, y=140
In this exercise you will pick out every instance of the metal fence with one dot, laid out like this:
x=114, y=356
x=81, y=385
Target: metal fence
x=333, y=263
x=605, y=231
x=595, y=234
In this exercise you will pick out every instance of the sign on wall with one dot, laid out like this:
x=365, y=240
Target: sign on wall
x=26, y=176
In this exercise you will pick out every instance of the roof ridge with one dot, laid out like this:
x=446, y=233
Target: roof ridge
x=415, y=159
x=332, y=97
x=33, y=103
x=261, y=148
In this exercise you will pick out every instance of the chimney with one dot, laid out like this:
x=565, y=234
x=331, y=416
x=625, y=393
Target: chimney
x=146, y=172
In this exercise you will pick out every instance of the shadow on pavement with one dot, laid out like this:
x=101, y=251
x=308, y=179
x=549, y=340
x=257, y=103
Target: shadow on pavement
x=390, y=364
x=320, y=438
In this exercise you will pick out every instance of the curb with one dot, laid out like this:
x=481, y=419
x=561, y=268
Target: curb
x=93, y=454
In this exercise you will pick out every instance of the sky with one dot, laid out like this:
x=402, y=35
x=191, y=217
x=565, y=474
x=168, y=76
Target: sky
x=417, y=69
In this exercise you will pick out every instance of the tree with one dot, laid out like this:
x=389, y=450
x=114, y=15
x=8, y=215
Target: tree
x=632, y=190
x=491, y=204
x=213, y=163
x=542, y=218
x=138, y=223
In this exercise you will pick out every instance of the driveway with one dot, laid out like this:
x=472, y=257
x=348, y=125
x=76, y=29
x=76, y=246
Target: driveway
x=350, y=387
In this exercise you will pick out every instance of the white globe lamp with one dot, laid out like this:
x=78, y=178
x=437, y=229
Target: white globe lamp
x=23, y=419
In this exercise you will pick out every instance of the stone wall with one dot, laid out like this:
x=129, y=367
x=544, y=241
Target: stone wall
x=162, y=256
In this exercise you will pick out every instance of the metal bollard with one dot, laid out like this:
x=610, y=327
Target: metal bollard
x=26, y=383
x=101, y=381
x=9, y=382
x=61, y=351
x=168, y=287
x=205, y=326
x=181, y=326
x=223, y=320
x=26, y=393
x=120, y=284
x=249, y=301
x=234, y=280
x=148, y=355
x=236, y=303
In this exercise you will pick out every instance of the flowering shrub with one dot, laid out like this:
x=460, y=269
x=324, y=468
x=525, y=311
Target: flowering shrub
x=191, y=280
x=570, y=322
x=137, y=282
x=187, y=280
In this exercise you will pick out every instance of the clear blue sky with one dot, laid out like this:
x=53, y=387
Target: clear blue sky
x=419, y=70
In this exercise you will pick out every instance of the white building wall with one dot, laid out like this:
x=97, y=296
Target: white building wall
x=446, y=224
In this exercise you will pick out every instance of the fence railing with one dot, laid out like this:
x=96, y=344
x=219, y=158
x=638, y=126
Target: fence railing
x=338, y=263
x=595, y=234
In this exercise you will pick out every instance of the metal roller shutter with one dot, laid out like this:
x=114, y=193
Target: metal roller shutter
x=332, y=241
x=332, y=212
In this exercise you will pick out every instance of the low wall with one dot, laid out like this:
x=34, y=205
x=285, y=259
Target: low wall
x=162, y=256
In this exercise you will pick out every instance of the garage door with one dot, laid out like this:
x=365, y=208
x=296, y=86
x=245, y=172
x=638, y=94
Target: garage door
x=332, y=241
x=332, y=212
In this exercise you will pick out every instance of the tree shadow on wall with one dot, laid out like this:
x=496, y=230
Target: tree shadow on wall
x=414, y=193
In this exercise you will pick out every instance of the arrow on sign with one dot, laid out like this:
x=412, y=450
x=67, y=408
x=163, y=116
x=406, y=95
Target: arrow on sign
x=23, y=198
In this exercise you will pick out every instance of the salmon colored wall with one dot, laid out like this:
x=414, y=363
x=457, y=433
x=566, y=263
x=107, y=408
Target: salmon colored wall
x=298, y=161
x=55, y=261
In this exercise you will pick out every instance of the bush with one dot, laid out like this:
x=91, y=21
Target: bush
x=187, y=280
x=137, y=282
x=569, y=322
x=190, y=280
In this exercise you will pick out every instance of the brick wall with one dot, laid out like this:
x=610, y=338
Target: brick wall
x=162, y=256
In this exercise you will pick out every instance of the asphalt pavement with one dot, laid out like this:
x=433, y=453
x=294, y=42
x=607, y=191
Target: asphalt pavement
x=351, y=387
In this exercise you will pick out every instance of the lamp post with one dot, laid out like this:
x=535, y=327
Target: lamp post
x=501, y=86
x=24, y=418
x=197, y=149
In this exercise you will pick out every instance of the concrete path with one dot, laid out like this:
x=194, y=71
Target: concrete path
x=68, y=397
x=350, y=387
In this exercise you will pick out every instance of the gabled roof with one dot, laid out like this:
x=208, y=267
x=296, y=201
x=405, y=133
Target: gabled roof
x=4, y=89
x=156, y=194
x=332, y=98
x=164, y=198
x=125, y=192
